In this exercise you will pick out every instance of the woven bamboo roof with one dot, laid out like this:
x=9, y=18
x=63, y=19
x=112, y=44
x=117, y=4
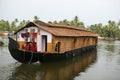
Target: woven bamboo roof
x=60, y=29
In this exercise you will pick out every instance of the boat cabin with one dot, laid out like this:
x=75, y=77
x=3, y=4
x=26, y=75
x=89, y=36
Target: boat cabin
x=39, y=36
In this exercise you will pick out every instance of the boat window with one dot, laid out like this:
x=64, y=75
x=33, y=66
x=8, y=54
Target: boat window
x=57, y=47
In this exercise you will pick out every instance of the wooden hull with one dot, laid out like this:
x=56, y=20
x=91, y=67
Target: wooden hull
x=30, y=57
x=24, y=56
x=21, y=56
x=48, y=57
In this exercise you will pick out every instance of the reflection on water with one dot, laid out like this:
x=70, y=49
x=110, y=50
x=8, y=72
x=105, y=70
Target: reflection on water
x=65, y=70
x=110, y=48
x=4, y=39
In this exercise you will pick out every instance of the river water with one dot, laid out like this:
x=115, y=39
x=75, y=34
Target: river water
x=102, y=64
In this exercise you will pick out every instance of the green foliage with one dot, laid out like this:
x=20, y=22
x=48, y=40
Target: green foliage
x=74, y=22
x=4, y=25
x=111, y=30
x=13, y=26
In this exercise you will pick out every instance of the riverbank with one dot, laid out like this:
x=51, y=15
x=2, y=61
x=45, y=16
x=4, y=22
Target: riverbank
x=107, y=38
x=3, y=33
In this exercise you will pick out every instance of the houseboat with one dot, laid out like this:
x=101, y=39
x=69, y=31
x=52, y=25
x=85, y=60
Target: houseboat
x=40, y=41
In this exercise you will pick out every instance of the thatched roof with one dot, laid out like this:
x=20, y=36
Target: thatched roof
x=60, y=30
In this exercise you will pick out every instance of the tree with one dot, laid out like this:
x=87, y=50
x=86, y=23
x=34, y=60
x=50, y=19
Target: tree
x=55, y=22
x=4, y=25
x=110, y=30
x=36, y=18
x=65, y=21
x=76, y=22
x=22, y=24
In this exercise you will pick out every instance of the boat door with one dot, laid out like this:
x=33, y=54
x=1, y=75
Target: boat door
x=44, y=43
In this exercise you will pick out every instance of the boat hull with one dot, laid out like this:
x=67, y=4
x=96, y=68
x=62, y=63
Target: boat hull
x=52, y=57
x=24, y=56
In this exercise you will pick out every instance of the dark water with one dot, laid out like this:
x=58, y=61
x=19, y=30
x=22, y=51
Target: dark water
x=103, y=64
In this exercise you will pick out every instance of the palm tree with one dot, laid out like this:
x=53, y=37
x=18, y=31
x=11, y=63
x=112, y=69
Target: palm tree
x=36, y=18
x=76, y=22
x=65, y=21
